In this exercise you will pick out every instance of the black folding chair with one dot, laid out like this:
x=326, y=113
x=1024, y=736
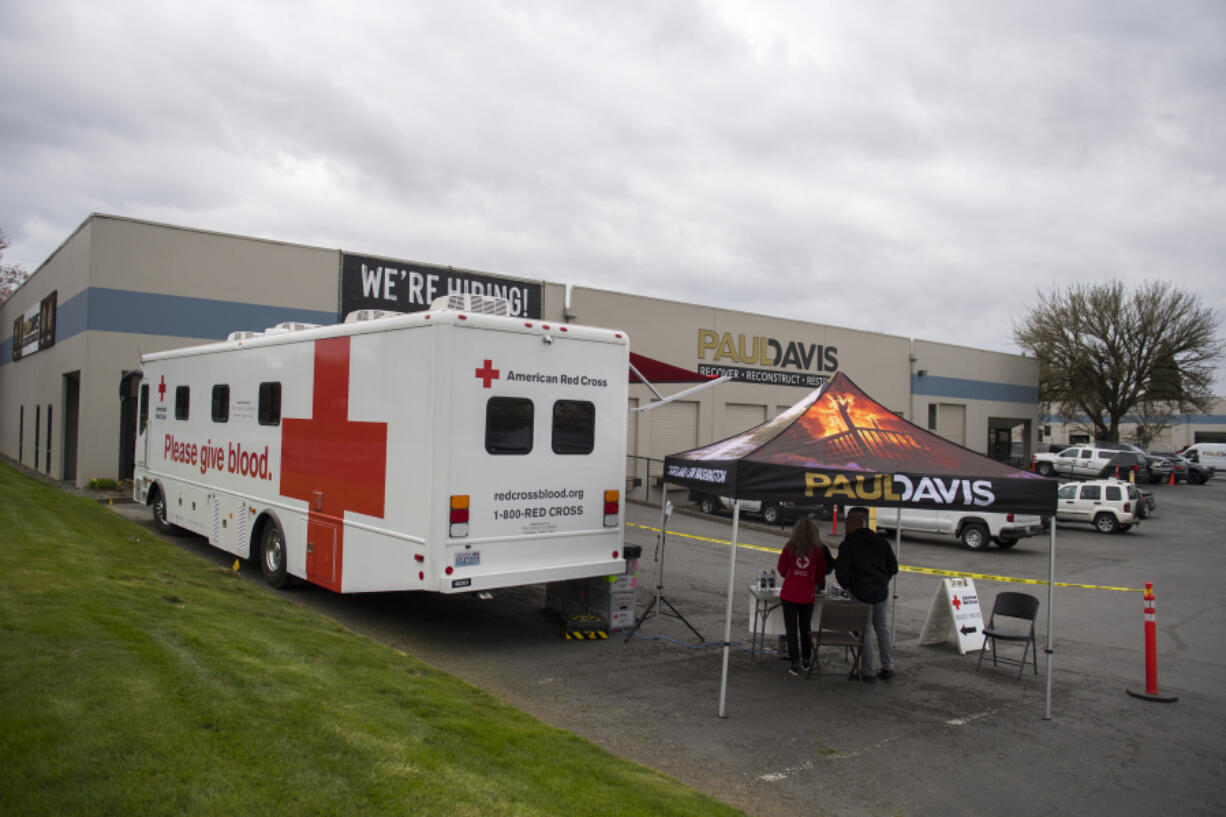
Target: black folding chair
x=1019, y=607
x=841, y=624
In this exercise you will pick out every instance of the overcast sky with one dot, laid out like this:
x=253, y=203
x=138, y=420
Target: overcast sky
x=922, y=169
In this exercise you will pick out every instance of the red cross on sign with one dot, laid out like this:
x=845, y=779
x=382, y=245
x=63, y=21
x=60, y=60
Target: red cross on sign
x=957, y=603
x=336, y=465
x=162, y=390
x=487, y=374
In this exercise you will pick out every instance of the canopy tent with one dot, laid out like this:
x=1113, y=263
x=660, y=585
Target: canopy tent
x=840, y=446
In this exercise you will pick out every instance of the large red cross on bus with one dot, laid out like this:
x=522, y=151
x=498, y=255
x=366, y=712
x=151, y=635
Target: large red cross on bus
x=332, y=463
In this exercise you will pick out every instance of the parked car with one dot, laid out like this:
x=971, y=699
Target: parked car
x=1159, y=468
x=1126, y=464
x=1107, y=504
x=1147, y=504
x=772, y=512
x=974, y=529
x=1195, y=473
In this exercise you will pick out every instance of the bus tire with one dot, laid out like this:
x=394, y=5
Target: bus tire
x=157, y=506
x=272, y=555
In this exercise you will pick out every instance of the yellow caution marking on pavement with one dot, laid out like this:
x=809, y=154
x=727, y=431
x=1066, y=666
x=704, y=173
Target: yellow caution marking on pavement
x=929, y=571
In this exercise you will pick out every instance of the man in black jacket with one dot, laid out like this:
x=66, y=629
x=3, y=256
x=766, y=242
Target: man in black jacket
x=865, y=566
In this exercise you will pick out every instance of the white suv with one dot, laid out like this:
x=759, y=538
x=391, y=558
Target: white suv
x=1107, y=504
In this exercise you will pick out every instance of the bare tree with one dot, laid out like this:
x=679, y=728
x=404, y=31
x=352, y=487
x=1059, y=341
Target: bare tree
x=11, y=275
x=1105, y=353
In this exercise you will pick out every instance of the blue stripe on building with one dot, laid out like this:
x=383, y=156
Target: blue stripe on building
x=1178, y=419
x=932, y=386
x=100, y=309
x=145, y=313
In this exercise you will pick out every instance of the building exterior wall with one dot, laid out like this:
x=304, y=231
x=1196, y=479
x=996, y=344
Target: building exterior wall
x=1184, y=430
x=126, y=286
x=994, y=390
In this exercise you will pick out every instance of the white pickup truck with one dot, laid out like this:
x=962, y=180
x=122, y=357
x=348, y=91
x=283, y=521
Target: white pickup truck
x=1076, y=461
x=975, y=529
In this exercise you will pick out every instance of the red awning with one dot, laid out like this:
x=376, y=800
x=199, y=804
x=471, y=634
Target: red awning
x=657, y=371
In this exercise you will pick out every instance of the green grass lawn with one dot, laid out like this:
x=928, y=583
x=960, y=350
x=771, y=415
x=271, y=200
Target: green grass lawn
x=137, y=680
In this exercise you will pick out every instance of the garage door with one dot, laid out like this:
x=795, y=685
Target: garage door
x=951, y=422
x=674, y=428
x=741, y=416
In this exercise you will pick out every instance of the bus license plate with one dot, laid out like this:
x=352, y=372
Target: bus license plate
x=469, y=558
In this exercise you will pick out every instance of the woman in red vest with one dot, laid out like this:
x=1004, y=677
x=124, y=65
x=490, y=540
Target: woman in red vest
x=802, y=565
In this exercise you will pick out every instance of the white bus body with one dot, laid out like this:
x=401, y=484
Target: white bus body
x=446, y=451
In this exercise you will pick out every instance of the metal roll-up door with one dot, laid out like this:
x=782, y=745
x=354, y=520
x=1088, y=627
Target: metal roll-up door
x=951, y=422
x=739, y=417
x=674, y=428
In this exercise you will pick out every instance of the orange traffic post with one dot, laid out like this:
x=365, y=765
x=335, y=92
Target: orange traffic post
x=1151, y=652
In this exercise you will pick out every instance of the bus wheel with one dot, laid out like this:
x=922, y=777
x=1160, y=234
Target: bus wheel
x=157, y=504
x=272, y=555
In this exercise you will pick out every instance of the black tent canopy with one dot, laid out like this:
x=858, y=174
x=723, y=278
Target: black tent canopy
x=839, y=446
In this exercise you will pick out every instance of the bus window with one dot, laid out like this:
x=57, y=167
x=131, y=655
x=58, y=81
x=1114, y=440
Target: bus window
x=182, y=398
x=269, y=412
x=574, y=427
x=144, y=408
x=221, y=403
x=508, y=425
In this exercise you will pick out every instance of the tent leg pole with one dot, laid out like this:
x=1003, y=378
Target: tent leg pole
x=1051, y=600
x=894, y=581
x=723, y=681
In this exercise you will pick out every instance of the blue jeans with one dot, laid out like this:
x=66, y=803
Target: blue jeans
x=881, y=625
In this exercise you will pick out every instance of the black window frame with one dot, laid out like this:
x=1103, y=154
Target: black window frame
x=497, y=440
x=144, y=408
x=221, y=403
x=590, y=435
x=183, y=402
x=268, y=412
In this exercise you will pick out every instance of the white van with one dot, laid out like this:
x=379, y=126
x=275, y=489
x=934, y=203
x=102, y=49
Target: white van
x=1207, y=454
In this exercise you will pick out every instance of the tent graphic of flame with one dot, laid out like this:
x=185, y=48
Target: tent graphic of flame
x=845, y=426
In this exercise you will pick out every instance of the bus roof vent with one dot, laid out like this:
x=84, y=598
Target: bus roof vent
x=469, y=302
x=245, y=334
x=289, y=326
x=370, y=315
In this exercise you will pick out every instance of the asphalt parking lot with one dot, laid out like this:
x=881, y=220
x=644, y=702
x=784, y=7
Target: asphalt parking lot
x=938, y=738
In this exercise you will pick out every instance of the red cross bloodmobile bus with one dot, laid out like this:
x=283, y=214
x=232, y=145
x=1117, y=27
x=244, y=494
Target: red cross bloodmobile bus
x=451, y=450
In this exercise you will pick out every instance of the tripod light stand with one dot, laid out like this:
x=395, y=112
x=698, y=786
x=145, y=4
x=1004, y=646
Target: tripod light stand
x=659, y=602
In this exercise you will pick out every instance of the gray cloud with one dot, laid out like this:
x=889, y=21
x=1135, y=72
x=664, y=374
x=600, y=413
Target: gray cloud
x=921, y=169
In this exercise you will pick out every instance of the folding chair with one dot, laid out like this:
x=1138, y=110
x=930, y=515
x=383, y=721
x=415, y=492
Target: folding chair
x=1019, y=606
x=841, y=624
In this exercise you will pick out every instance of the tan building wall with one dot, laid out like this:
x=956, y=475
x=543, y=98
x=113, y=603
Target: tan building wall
x=982, y=390
x=126, y=286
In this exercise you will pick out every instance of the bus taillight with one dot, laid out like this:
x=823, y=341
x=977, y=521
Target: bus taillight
x=612, y=506
x=459, y=516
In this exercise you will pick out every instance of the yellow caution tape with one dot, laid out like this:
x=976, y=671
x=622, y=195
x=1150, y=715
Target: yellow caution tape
x=930, y=571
